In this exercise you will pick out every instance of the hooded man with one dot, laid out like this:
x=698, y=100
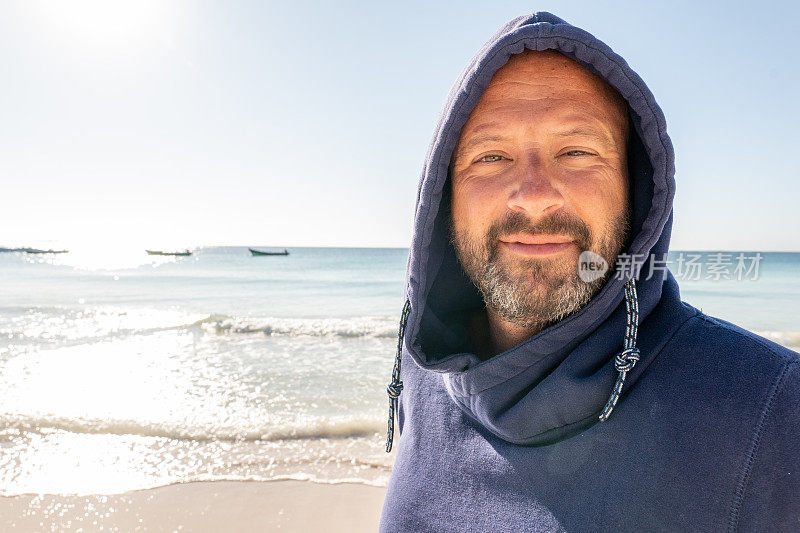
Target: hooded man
x=544, y=387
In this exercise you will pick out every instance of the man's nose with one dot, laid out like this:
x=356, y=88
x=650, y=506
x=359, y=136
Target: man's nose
x=534, y=190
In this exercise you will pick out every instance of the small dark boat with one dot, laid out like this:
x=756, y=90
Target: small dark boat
x=259, y=252
x=159, y=252
x=33, y=251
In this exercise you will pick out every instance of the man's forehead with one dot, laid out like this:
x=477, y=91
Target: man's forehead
x=547, y=74
x=550, y=72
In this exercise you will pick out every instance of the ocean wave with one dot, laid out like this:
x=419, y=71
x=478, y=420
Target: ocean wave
x=381, y=481
x=61, y=326
x=381, y=327
x=54, y=325
x=339, y=428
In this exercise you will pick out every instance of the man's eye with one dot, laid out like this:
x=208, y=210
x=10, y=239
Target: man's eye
x=491, y=158
x=574, y=153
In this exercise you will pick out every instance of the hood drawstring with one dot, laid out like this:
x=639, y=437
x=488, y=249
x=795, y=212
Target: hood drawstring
x=626, y=359
x=396, y=386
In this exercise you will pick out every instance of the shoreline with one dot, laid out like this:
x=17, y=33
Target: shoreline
x=288, y=505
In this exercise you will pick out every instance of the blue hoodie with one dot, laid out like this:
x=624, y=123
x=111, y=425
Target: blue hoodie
x=704, y=434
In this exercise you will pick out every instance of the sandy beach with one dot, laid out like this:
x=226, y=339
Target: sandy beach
x=203, y=506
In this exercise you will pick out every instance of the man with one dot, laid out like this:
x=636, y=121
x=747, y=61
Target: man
x=543, y=387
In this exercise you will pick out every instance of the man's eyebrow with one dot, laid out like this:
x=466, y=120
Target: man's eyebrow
x=580, y=130
x=476, y=141
x=587, y=131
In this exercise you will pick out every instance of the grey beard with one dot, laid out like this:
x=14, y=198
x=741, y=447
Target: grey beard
x=559, y=292
x=503, y=296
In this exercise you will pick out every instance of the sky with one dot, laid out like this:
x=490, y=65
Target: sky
x=179, y=124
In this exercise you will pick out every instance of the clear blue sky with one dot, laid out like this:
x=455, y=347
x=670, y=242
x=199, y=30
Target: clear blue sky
x=298, y=123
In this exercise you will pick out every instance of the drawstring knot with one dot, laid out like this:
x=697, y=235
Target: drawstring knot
x=394, y=390
x=625, y=360
x=396, y=386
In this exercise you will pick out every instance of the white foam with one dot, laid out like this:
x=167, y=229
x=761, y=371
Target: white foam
x=55, y=324
x=317, y=327
x=68, y=326
x=302, y=428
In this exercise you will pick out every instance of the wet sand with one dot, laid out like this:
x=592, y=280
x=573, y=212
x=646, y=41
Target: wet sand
x=203, y=506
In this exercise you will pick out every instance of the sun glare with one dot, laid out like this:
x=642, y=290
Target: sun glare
x=104, y=21
x=108, y=254
x=112, y=259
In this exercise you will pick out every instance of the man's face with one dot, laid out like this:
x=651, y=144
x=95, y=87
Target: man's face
x=539, y=175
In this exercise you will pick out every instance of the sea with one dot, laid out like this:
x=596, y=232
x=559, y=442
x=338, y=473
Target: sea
x=127, y=371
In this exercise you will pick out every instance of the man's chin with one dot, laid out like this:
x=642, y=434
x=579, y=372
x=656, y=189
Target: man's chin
x=544, y=302
x=541, y=276
x=541, y=291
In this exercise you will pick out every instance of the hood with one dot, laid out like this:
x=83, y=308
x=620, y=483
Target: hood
x=559, y=380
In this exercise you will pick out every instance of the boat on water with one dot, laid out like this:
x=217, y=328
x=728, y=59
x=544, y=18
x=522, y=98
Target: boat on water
x=159, y=252
x=259, y=252
x=33, y=251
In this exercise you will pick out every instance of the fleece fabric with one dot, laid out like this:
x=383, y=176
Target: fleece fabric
x=706, y=433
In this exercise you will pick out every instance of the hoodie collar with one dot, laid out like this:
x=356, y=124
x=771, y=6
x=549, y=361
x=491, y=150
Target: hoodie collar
x=519, y=394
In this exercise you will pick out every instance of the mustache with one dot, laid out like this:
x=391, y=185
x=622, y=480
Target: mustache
x=560, y=223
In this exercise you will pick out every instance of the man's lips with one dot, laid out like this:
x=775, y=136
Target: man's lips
x=541, y=238
x=540, y=244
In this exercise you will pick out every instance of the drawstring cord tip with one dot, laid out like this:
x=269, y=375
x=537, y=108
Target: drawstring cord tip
x=396, y=386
